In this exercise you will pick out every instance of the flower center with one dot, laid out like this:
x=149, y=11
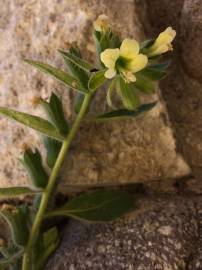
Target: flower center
x=121, y=63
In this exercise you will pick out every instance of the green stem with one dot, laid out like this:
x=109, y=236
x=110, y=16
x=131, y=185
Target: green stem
x=51, y=184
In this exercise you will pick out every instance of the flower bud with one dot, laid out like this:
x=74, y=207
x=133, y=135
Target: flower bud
x=102, y=23
x=163, y=42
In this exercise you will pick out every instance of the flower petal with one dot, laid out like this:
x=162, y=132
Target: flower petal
x=109, y=57
x=161, y=49
x=129, y=48
x=138, y=63
x=171, y=31
x=129, y=76
x=166, y=37
x=110, y=73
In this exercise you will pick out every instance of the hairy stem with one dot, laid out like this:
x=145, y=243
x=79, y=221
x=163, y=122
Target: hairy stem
x=51, y=184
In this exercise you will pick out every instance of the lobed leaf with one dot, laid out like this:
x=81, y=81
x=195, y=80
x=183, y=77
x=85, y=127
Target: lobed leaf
x=106, y=40
x=33, y=122
x=33, y=163
x=57, y=73
x=52, y=150
x=55, y=113
x=17, y=221
x=73, y=60
x=122, y=114
x=98, y=206
x=79, y=62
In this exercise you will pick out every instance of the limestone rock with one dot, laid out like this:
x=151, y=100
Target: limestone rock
x=157, y=15
x=186, y=113
x=191, y=38
x=182, y=88
x=132, y=151
x=164, y=233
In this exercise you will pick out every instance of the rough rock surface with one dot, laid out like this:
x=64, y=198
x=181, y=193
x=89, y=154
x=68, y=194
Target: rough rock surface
x=164, y=234
x=192, y=38
x=120, y=152
x=182, y=88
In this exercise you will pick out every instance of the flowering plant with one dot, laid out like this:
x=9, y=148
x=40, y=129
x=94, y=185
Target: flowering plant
x=128, y=67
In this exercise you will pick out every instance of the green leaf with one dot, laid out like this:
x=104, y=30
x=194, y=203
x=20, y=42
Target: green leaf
x=78, y=101
x=17, y=221
x=96, y=38
x=33, y=163
x=50, y=236
x=47, y=244
x=162, y=66
x=37, y=201
x=76, y=52
x=155, y=72
x=17, y=265
x=9, y=249
x=106, y=40
x=50, y=249
x=12, y=255
x=127, y=93
x=11, y=260
x=111, y=88
x=33, y=122
x=146, y=44
x=144, y=84
x=97, y=80
x=52, y=149
x=55, y=113
x=99, y=206
x=122, y=114
x=101, y=42
x=77, y=66
x=77, y=61
x=17, y=191
x=115, y=41
x=59, y=74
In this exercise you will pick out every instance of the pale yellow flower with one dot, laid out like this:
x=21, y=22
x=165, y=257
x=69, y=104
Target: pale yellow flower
x=125, y=61
x=163, y=42
x=102, y=23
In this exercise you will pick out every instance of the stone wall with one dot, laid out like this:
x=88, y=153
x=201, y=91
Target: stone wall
x=165, y=231
x=182, y=88
x=138, y=150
